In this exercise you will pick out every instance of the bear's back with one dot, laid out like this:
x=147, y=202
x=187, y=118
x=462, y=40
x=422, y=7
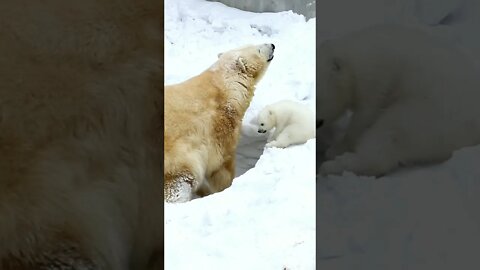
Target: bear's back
x=413, y=61
x=295, y=111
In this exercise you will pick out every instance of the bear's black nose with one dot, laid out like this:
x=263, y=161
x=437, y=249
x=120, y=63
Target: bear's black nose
x=273, y=47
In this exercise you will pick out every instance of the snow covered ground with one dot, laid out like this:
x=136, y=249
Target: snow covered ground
x=417, y=218
x=266, y=219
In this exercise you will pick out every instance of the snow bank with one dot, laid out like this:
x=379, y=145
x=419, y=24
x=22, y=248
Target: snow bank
x=265, y=220
x=420, y=218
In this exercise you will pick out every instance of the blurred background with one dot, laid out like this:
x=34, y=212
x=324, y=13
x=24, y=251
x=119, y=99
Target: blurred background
x=304, y=7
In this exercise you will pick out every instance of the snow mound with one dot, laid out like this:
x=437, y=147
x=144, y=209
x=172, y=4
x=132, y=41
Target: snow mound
x=265, y=220
x=417, y=218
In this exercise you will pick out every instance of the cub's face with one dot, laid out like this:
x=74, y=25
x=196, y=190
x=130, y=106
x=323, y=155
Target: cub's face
x=252, y=60
x=265, y=120
x=334, y=84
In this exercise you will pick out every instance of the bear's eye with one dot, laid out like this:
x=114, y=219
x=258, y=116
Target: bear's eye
x=261, y=124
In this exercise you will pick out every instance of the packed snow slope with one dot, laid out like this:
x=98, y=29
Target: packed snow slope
x=266, y=219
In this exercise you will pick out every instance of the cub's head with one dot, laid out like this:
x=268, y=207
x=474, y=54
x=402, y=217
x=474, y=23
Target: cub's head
x=251, y=61
x=335, y=83
x=265, y=120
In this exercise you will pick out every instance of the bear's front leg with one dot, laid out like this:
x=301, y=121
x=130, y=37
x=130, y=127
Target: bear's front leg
x=270, y=138
x=276, y=133
x=345, y=144
x=336, y=149
x=376, y=154
x=178, y=187
x=223, y=177
x=359, y=122
x=277, y=143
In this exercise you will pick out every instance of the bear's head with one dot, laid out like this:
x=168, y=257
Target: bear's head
x=266, y=120
x=334, y=83
x=251, y=61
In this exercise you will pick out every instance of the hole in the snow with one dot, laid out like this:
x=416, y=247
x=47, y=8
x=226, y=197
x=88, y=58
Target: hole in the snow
x=249, y=150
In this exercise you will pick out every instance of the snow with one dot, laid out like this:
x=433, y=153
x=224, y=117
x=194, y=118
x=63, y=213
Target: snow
x=266, y=219
x=416, y=218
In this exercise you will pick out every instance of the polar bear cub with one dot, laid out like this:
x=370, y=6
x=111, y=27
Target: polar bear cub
x=294, y=123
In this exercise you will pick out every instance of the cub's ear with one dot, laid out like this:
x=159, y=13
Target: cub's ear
x=220, y=54
x=242, y=64
x=270, y=112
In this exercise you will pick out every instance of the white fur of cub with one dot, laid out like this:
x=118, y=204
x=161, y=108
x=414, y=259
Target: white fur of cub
x=294, y=123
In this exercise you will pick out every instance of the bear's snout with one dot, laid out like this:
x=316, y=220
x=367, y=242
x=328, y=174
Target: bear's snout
x=267, y=50
x=262, y=131
x=270, y=46
x=270, y=57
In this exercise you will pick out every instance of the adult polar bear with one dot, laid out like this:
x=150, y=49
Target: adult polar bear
x=202, y=120
x=414, y=98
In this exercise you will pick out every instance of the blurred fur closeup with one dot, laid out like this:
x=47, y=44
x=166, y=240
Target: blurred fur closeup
x=81, y=112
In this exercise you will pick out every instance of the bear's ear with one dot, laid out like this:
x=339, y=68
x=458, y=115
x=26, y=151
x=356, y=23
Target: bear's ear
x=270, y=112
x=241, y=63
x=220, y=54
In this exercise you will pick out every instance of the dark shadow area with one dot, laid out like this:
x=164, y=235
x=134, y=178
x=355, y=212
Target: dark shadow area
x=249, y=150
